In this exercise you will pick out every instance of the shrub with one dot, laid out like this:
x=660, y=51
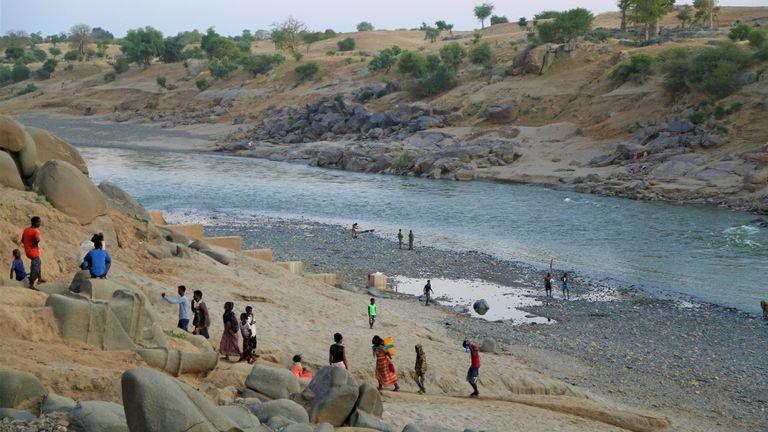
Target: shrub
x=29, y=88
x=757, y=37
x=762, y=54
x=330, y=53
x=122, y=64
x=546, y=15
x=221, y=68
x=366, y=95
x=714, y=70
x=599, y=36
x=260, y=63
x=567, y=26
x=39, y=54
x=172, y=50
x=498, y=19
x=5, y=74
x=14, y=53
x=50, y=65
x=365, y=26
x=19, y=72
x=161, y=80
x=438, y=78
x=69, y=67
x=193, y=53
x=637, y=70
x=110, y=77
x=404, y=159
x=54, y=51
x=697, y=117
x=720, y=112
x=346, y=44
x=297, y=56
x=739, y=33
x=202, y=84
x=348, y=60
x=71, y=56
x=453, y=54
x=411, y=63
x=384, y=60
x=152, y=102
x=42, y=74
x=307, y=70
x=480, y=54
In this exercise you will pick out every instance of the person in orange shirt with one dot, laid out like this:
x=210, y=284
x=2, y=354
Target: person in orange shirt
x=30, y=238
x=298, y=370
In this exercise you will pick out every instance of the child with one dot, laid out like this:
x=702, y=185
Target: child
x=421, y=368
x=372, y=312
x=337, y=355
x=566, y=287
x=245, y=330
x=298, y=370
x=252, y=325
x=17, y=267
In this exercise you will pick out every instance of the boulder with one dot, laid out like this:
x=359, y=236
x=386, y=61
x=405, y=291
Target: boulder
x=369, y=400
x=501, y=112
x=20, y=390
x=276, y=383
x=425, y=122
x=419, y=427
x=105, y=225
x=28, y=159
x=460, y=309
x=98, y=416
x=241, y=417
x=150, y=396
x=56, y=403
x=119, y=199
x=362, y=419
x=325, y=427
x=70, y=191
x=199, y=245
x=488, y=346
x=221, y=257
x=278, y=423
x=297, y=427
x=13, y=136
x=281, y=407
x=14, y=414
x=332, y=395
x=481, y=307
x=174, y=236
x=538, y=60
x=9, y=172
x=680, y=126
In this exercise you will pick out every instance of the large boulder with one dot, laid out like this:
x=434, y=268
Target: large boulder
x=9, y=172
x=501, y=112
x=20, y=390
x=13, y=136
x=281, y=407
x=276, y=383
x=362, y=419
x=14, y=414
x=538, y=59
x=414, y=427
x=488, y=346
x=119, y=199
x=242, y=418
x=98, y=416
x=331, y=395
x=70, y=191
x=481, y=307
x=369, y=400
x=28, y=159
x=56, y=403
x=49, y=146
x=156, y=402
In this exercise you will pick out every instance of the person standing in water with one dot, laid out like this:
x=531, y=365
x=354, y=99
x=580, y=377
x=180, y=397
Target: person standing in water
x=566, y=287
x=548, y=285
x=427, y=292
x=410, y=239
x=400, y=238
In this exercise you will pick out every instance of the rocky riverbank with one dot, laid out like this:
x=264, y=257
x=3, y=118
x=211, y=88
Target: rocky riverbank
x=700, y=363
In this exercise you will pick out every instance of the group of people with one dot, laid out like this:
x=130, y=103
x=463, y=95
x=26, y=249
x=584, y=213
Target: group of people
x=234, y=328
x=564, y=279
x=400, y=239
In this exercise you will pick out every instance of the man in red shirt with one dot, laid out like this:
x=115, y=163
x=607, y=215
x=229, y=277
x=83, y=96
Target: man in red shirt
x=473, y=374
x=30, y=238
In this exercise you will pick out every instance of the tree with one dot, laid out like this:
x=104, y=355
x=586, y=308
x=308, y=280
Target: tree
x=13, y=53
x=624, y=7
x=217, y=46
x=437, y=76
x=483, y=11
x=684, y=16
x=221, y=68
x=523, y=23
x=567, y=26
x=290, y=30
x=431, y=33
x=307, y=70
x=346, y=44
x=79, y=37
x=16, y=38
x=648, y=13
x=101, y=35
x=260, y=63
x=637, y=70
x=122, y=64
x=19, y=72
x=141, y=45
x=365, y=26
x=36, y=38
x=706, y=10
x=453, y=54
x=498, y=20
x=172, y=49
x=411, y=63
x=715, y=70
x=71, y=56
x=481, y=54
x=39, y=54
x=384, y=60
x=54, y=51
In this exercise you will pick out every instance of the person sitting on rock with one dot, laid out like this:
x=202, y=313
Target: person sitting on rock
x=337, y=356
x=298, y=370
x=17, y=267
x=245, y=330
x=183, y=311
x=98, y=261
x=385, y=367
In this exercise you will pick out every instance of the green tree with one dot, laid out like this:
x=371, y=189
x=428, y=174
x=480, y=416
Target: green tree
x=384, y=60
x=14, y=53
x=546, y=15
x=706, y=11
x=19, y=72
x=172, y=50
x=365, y=26
x=483, y=11
x=480, y=54
x=437, y=77
x=290, y=31
x=39, y=54
x=648, y=13
x=142, y=45
x=498, y=20
x=50, y=65
x=624, y=8
x=523, y=23
x=684, y=16
x=259, y=63
x=36, y=38
x=411, y=63
x=638, y=69
x=101, y=35
x=221, y=68
x=307, y=70
x=5, y=74
x=444, y=26
x=430, y=33
x=346, y=44
x=54, y=51
x=567, y=26
x=453, y=55
x=675, y=64
x=218, y=47
x=715, y=70
x=71, y=56
x=122, y=64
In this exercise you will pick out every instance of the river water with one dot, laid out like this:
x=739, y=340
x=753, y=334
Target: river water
x=707, y=253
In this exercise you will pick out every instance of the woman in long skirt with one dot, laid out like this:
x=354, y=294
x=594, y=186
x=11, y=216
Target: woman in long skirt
x=385, y=368
x=230, y=339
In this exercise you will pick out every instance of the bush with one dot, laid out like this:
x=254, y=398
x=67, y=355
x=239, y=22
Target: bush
x=714, y=70
x=161, y=81
x=366, y=95
x=29, y=88
x=122, y=64
x=172, y=50
x=757, y=38
x=346, y=44
x=42, y=74
x=221, y=68
x=480, y=54
x=202, y=84
x=278, y=58
x=69, y=67
x=498, y=20
x=411, y=63
x=697, y=117
x=567, y=26
x=546, y=15
x=50, y=65
x=330, y=53
x=453, y=54
x=54, y=51
x=739, y=33
x=260, y=63
x=5, y=74
x=193, y=53
x=637, y=70
x=39, y=54
x=14, y=53
x=599, y=36
x=384, y=60
x=762, y=54
x=365, y=26
x=307, y=70
x=110, y=77
x=19, y=73
x=71, y=56
x=297, y=56
x=438, y=78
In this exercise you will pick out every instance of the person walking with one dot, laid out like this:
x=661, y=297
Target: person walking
x=473, y=374
x=410, y=239
x=182, y=301
x=385, y=367
x=245, y=330
x=252, y=325
x=420, y=368
x=201, y=320
x=30, y=238
x=427, y=292
x=230, y=340
x=566, y=286
x=97, y=261
x=372, y=312
x=400, y=238
x=337, y=355
x=548, y=285
x=354, y=230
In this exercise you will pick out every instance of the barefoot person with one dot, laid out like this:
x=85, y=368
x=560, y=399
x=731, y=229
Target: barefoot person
x=410, y=239
x=252, y=325
x=420, y=368
x=97, y=261
x=548, y=285
x=202, y=320
x=473, y=374
x=385, y=367
x=182, y=301
x=400, y=238
x=17, y=267
x=30, y=238
x=337, y=355
x=566, y=287
x=298, y=370
x=230, y=340
x=427, y=292
x=248, y=345
x=372, y=312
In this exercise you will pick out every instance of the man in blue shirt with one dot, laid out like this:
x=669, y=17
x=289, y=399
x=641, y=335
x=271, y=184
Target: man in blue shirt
x=183, y=309
x=98, y=261
x=17, y=267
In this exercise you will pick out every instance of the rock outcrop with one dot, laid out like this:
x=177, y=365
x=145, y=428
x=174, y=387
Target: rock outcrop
x=119, y=199
x=331, y=396
x=49, y=146
x=98, y=416
x=9, y=173
x=21, y=390
x=13, y=135
x=272, y=382
x=70, y=191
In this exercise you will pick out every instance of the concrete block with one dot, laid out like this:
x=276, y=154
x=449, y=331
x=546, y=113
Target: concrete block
x=157, y=217
x=262, y=254
x=326, y=278
x=193, y=231
x=232, y=242
x=295, y=267
x=377, y=280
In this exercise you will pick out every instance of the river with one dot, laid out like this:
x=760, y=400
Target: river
x=711, y=254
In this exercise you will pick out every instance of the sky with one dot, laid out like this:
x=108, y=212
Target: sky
x=230, y=17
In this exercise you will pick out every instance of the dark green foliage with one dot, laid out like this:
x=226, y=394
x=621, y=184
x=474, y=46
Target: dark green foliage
x=221, y=68
x=307, y=70
x=430, y=33
x=5, y=74
x=20, y=72
x=366, y=95
x=697, y=117
x=546, y=15
x=298, y=56
x=522, y=22
x=50, y=65
x=483, y=11
x=260, y=63
x=102, y=35
x=384, y=60
x=110, y=77
x=637, y=69
x=438, y=77
x=193, y=53
x=202, y=84
x=762, y=54
x=453, y=54
x=39, y=54
x=14, y=53
x=42, y=74
x=480, y=54
x=69, y=67
x=219, y=47
x=161, y=80
x=54, y=51
x=739, y=33
x=173, y=48
x=598, y=36
x=714, y=70
x=142, y=45
x=346, y=44
x=757, y=37
x=566, y=26
x=365, y=26
x=71, y=56
x=122, y=64
x=29, y=88
x=411, y=63
x=498, y=19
